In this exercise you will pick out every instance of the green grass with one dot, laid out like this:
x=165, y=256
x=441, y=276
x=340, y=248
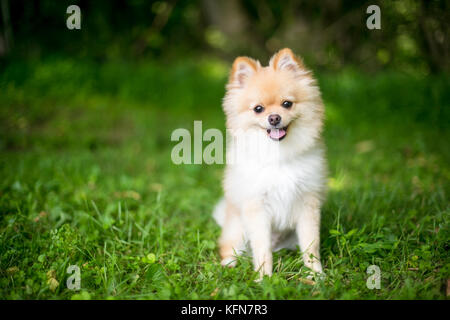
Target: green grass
x=87, y=180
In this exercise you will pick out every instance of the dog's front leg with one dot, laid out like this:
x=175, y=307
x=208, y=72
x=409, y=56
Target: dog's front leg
x=308, y=231
x=231, y=241
x=258, y=229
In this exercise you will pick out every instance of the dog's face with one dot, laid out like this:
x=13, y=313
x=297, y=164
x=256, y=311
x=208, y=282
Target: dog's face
x=281, y=99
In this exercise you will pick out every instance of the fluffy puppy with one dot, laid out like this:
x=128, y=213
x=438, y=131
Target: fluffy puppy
x=273, y=197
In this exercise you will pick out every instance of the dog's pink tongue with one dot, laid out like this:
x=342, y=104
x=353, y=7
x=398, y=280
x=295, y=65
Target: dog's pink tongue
x=277, y=133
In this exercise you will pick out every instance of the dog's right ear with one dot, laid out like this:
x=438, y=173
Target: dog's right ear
x=243, y=68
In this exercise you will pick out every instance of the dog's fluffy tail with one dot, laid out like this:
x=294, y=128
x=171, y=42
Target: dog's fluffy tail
x=219, y=212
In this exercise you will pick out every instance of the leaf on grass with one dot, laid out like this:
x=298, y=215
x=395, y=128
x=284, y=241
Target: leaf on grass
x=52, y=284
x=156, y=187
x=149, y=258
x=10, y=271
x=334, y=232
x=351, y=232
x=51, y=274
x=213, y=294
x=41, y=215
x=128, y=194
x=83, y=295
x=373, y=247
x=364, y=146
x=307, y=281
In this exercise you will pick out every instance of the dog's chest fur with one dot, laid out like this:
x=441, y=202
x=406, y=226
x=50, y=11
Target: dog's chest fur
x=280, y=184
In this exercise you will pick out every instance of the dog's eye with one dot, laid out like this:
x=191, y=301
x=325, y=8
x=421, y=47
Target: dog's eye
x=287, y=104
x=258, y=109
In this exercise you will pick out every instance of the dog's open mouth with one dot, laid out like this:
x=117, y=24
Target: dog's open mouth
x=277, y=134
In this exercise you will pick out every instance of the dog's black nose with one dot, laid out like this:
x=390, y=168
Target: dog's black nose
x=274, y=119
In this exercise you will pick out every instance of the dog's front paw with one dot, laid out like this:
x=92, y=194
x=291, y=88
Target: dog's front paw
x=316, y=267
x=228, y=262
x=315, y=271
x=311, y=275
x=261, y=276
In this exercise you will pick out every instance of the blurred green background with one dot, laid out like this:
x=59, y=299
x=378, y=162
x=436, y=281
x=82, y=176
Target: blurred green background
x=329, y=34
x=85, y=122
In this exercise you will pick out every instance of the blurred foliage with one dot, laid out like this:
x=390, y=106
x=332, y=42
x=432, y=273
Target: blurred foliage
x=329, y=33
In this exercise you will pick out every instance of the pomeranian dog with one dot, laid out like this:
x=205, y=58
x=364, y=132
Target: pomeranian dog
x=271, y=202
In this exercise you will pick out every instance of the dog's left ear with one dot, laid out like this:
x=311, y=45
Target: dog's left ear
x=286, y=59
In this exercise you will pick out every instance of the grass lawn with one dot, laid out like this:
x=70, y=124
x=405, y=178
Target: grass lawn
x=87, y=180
